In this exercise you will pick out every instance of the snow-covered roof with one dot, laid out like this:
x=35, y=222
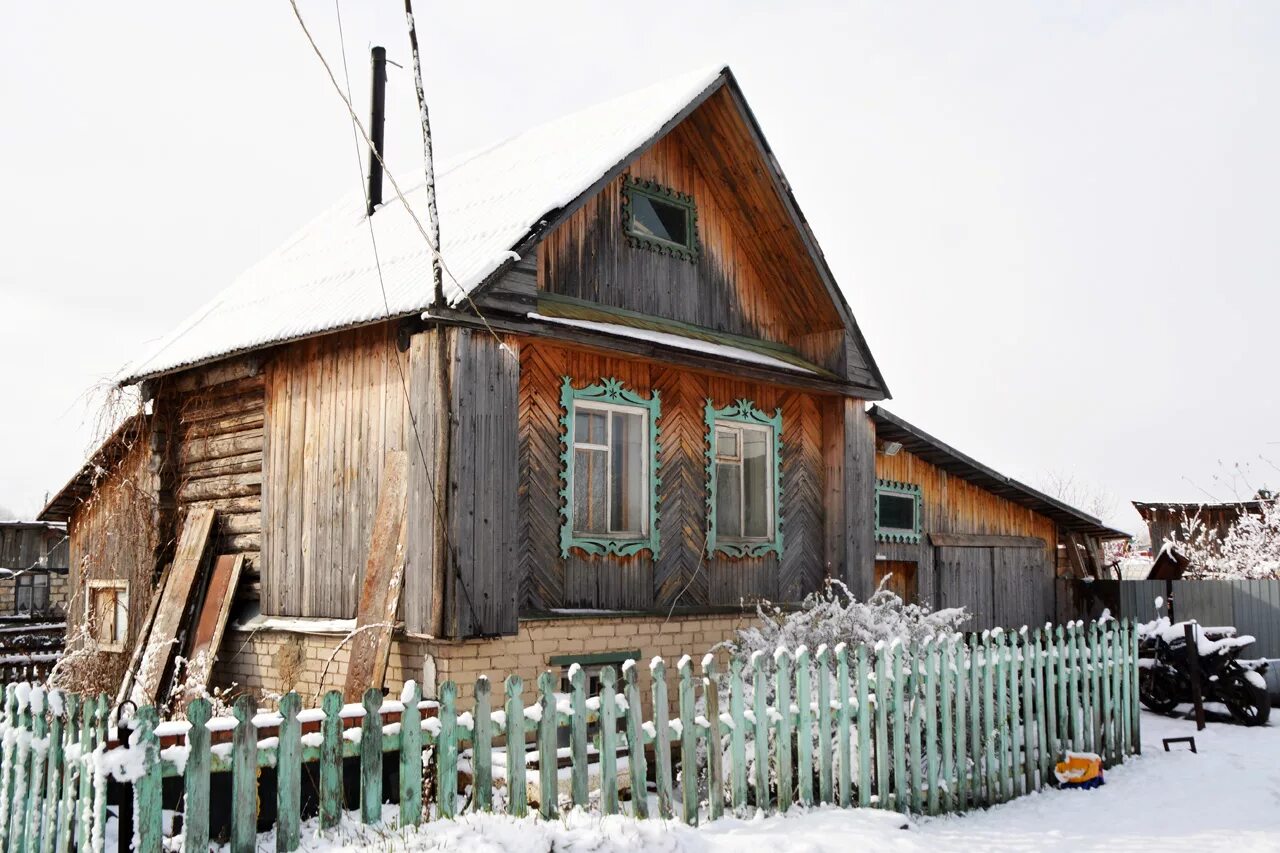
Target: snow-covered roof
x=324, y=278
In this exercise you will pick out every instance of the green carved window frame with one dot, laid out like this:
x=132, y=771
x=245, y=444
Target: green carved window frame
x=632, y=187
x=610, y=392
x=745, y=412
x=895, y=488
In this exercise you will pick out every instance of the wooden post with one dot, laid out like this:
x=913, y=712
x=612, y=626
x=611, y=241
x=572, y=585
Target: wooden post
x=148, y=814
x=482, y=745
x=288, y=775
x=244, y=779
x=737, y=738
x=638, y=768
x=331, y=761
x=661, y=737
x=411, y=756
x=715, y=746
x=195, y=822
x=826, y=775
x=688, y=745
x=371, y=758
x=548, y=785
x=578, y=735
x=608, y=740
x=447, y=750
x=517, y=786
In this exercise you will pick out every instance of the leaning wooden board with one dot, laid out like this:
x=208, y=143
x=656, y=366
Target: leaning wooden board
x=126, y=684
x=164, y=628
x=383, y=579
x=211, y=622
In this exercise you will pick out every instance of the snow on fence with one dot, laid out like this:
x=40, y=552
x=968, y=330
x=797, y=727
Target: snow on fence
x=941, y=726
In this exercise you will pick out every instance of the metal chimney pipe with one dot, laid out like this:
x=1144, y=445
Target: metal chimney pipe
x=377, y=120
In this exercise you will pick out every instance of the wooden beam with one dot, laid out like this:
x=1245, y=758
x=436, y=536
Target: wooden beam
x=212, y=621
x=177, y=593
x=383, y=580
x=974, y=540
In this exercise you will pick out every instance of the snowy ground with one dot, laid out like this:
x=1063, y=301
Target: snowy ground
x=1227, y=797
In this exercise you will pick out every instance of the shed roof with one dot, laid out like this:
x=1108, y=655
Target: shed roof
x=918, y=442
x=101, y=461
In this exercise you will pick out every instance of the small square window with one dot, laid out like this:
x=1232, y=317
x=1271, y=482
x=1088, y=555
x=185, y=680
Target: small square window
x=107, y=614
x=897, y=512
x=658, y=218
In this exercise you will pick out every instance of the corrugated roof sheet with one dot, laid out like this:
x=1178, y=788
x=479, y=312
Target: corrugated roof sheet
x=325, y=278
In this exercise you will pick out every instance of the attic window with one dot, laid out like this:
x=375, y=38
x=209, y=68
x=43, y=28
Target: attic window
x=660, y=219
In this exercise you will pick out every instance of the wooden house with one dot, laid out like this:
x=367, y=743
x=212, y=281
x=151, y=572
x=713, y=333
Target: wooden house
x=638, y=408
x=33, y=568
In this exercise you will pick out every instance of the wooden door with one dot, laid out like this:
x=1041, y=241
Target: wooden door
x=902, y=578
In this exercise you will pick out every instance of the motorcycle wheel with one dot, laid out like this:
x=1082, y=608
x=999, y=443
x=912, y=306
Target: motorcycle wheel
x=1156, y=692
x=1248, y=703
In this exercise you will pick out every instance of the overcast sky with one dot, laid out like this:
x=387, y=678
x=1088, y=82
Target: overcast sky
x=1056, y=223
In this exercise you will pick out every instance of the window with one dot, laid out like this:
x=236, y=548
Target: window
x=661, y=219
x=743, y=480
x=897, y=511
x=609, y=466
x=31, y=593
x=108, y=614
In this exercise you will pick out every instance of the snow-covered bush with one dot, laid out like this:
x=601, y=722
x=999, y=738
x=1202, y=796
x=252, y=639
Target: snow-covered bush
x=1249, y=549
x=826, y=618
x=832, y=616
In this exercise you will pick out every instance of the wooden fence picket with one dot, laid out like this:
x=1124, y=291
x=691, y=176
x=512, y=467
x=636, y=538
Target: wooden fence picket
x=932, y=769
x=637, y=763
x=898, y=660
x=517, y=781
x=84, y=803
x=447, y=752
x=53, y=774
x=288, y=775
x=482, y=744
x=882, y=704
x=195, y=780
x=737, y=739
x=101, y=711
x=661, y=737
x=608, y=741
x=826, y=746
x=331, y=799
x=411, y=757
x=966, y=698
x=244, y=779
x=915, y=725
x=371, y=758
x=946, y=772
x=148, y=801
x=688, y=745
x=864, y=721
x=804, y=728
x=712, y=685
x=783, y=738
x=1028, y=721
x=70, y=774
x=578, y=736
x=760, y=713
x=36, y=783
x=1041, y=699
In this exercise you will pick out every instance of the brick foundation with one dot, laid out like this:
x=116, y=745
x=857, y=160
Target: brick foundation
x=268, y=663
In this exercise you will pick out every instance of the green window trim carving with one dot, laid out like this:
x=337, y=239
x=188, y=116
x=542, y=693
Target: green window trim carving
x=895, y=534
x=637, y=186
x=745, y=412
x=607, y=391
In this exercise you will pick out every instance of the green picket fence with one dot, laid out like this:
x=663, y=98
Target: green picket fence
x=950, y=724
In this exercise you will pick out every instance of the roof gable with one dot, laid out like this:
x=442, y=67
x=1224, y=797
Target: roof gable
x=495, y=204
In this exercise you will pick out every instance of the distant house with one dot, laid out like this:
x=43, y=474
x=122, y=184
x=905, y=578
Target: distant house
x=33, y=568
x=639, y=409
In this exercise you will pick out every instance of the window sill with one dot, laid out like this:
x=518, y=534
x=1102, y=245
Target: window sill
x=900, y=537
x=738, y=548
x=608, y=545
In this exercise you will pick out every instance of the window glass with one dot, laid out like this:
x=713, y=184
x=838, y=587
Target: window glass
x=897, y=512
x=744, y=481
x=610, y=483
x=755, y=483
x=627, y=447
x=651, y=217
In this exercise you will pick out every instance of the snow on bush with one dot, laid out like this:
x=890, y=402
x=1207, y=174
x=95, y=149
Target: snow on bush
x=1248, y=550
x=832, y=616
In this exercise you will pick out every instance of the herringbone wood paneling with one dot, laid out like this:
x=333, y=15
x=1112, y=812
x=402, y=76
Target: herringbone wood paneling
x=802, y=568
x=541, y=569
x=680, y=571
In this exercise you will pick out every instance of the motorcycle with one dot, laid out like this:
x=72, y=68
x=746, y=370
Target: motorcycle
x=1164, y=676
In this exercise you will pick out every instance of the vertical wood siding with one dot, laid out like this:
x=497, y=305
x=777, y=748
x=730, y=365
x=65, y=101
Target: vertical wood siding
x=335, y=406
x=681, y=575
x=752, y=276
